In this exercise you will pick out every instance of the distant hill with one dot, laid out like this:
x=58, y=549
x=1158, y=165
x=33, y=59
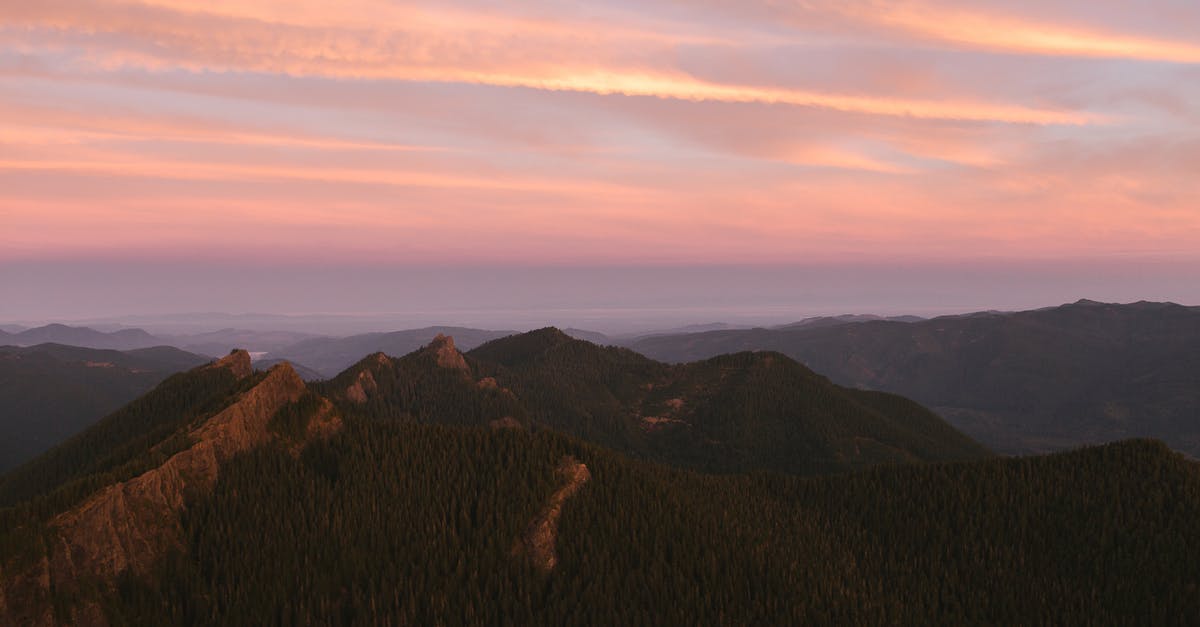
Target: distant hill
x=1020, y=382
x=590, y=336
x=830, y=321
x=329, y=356
x=306, y=373
x=124, y=339
x=227, y=496
x=49, y=392
x=219, y=343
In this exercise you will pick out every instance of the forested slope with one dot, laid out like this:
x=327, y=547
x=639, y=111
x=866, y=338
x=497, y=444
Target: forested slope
x=50, y=392
x=425, y=490
x=401, y=523
x=1021, y=382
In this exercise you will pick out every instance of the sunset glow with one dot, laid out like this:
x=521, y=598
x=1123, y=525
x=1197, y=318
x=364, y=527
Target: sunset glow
x=599, y=133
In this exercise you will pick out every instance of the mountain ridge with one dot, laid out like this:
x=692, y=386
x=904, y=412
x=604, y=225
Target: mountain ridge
x=1021, y=382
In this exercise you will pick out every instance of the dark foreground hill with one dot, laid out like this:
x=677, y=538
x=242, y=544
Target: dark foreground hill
x=228, y=496
x=1023, y=382
x=50, y=392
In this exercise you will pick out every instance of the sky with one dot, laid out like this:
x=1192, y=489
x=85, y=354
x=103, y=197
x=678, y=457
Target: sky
x=715, y=157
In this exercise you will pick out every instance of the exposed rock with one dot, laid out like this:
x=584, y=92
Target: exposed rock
x=656, y=423
x=238, y=362
x=127, y=526
x=507, y=422
x=442, y=348
x=324, y=423
x=488, y=383
x=538, y=541
x=363, y=386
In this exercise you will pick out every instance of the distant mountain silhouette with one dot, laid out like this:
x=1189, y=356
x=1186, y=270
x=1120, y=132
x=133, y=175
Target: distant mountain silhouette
x=306, y=373
x=1019, y=382
x=329, y=356
x=220, y=342
x=49, y=392
x=830, y=321
x=124, y=339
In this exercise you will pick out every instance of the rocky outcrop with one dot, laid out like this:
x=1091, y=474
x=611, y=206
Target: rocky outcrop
x=238, y=362
x=507, y=422
x=363, y=386
x=324, y=423
x=447, y=356
x=126, y=527
x=538, y=542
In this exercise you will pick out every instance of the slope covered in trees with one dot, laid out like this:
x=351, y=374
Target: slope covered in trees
x=1031, y=381
x=397, y=523
x=389, y=495
x=726, y=414
x=50, y=392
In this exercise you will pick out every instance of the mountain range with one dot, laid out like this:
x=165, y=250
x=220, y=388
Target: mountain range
x=331, y=355
x=539, y=479
x=124, y=339
x=1020, y=382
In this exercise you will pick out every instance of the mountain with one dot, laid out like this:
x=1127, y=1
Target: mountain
x=1023, y=382
x=829, y=321
x=217, y=343
x=329, y=356
x=49, y=392
x=228, y=496
x=306, y=373
x=727, y=414
x=124, y=339
x=590, y=336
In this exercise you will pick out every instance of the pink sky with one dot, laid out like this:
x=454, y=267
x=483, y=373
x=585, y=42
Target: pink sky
x=370, y=132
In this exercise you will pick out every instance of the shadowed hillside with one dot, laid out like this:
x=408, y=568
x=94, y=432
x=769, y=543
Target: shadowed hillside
x=50, y=392
x=1018, y=382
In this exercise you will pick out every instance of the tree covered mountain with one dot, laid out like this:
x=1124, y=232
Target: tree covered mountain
x=729, y=414
x=1031, y=381
x=50, y=392
x=430, y=489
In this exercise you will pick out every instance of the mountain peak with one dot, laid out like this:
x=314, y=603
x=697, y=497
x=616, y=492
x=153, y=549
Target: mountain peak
x=238, y=362
x=443, y=350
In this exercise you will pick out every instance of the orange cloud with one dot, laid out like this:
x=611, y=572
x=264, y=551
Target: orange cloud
x=575, y=61
x=1004, y=33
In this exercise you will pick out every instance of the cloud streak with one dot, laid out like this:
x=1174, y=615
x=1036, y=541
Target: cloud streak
x=547, y=132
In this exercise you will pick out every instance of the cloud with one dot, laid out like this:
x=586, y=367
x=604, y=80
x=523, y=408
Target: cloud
x=560, y=59
x=545, y=132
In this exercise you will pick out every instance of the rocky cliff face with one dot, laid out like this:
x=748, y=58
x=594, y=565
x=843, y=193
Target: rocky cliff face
x=443, y=349
x=538, y=542
x=238, y=362
x=126, y=527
